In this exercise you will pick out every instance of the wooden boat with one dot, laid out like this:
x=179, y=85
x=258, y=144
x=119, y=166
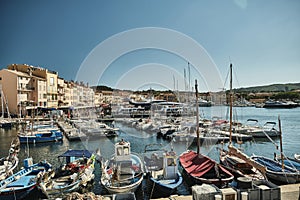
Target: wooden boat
x=199, y=168
x=40, y=137
x=9, y=163
x=241, y=165
x=202, y=169
x=276, y=173
x=291, y=162
x=76, y=172
x=162, y=171
x=236, y=161
x=297, y=157
x=20, y=184
x=123, y=173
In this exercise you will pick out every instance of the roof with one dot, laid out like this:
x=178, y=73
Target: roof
x=76, y=153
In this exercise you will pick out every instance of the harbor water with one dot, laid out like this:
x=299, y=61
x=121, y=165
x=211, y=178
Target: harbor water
x=290, y=122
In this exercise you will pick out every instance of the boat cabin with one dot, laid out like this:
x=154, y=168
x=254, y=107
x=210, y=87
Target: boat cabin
x=122, y=151
x=123, y=157
x=170, y=165
x=72, y=155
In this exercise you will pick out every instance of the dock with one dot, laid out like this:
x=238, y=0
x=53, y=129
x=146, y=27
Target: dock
x=287, y=192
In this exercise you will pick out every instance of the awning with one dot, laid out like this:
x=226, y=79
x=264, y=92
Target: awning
x=76, y=153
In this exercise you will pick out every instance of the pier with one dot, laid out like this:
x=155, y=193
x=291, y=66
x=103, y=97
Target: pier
x=287, y=192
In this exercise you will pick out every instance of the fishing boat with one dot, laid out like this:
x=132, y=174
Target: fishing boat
x=40, y=137
x=276, y=171
x=233, y=159
x=291, y=162
x=20, y=184
x=9, y=163
x=199, y=168
x=75, y=172
x=297, y=157
x=162, y=170
x=123, y=173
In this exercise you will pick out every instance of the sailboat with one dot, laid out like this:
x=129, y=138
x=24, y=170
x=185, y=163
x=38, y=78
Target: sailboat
x=199, y=168
x=4, y=122
x=9, y=163
x=236, y=161
x=276, y=171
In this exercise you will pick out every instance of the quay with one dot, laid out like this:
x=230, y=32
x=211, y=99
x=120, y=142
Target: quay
x=287, y=192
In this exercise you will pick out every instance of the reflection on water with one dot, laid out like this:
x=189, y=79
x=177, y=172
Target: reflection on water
x=139, y=139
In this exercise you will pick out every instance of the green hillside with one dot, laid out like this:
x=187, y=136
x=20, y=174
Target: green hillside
x=271, y=88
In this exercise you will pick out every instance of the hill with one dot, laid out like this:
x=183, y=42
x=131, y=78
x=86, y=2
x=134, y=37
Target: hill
x=270, y=88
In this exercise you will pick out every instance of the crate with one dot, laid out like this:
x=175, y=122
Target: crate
x=205, y=191
x=268, y=190
x=253, y=192
x=229, y=194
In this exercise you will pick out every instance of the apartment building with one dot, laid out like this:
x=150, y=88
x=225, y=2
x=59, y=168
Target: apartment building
x=27, y=87
x=22, y=90
x=68, y=93
x=48, y=75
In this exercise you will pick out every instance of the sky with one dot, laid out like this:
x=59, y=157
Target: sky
x=138, y=44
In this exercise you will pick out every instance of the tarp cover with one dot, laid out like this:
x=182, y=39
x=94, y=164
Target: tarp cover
x=76, y=153
x=196, y=165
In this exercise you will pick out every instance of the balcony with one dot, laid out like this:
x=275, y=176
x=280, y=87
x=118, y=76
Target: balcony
x=26, y=88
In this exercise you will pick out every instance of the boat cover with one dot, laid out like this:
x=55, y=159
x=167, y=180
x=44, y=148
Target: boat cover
x=76, y=153
x=272, y=165
x=198, y=165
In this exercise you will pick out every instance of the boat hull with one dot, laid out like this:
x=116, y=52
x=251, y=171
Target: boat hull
x=275, y=172
x=159, y=190
x=17, y=194
x=124, y=189
x=64, y=189
x=198, y=169
x=34, y=139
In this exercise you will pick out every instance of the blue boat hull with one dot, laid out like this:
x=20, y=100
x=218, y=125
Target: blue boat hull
x=38, y=139
x=275, y=172
x=160, y=190
x=22, y=183
x=17, y=194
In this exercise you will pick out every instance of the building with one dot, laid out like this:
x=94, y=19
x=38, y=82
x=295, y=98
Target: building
x=50, y=77
x=22, y=90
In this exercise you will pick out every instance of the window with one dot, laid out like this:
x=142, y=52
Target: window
x=119, y=151
x=51, y=80
x=126, y=151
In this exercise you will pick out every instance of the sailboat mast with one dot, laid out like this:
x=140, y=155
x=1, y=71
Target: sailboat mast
x=281, y=149
x=230, y=103
x=2, y=108
x=197, y=118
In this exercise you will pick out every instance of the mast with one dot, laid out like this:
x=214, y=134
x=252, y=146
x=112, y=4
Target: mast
x=230, y=103
x=281, y=149
x=189, y=71
x=2, y=108
x=197, y=117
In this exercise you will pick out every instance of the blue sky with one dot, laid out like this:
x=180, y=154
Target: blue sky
x=261, y=38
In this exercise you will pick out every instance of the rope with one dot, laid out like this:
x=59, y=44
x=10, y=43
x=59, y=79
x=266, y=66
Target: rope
x=152, y=190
